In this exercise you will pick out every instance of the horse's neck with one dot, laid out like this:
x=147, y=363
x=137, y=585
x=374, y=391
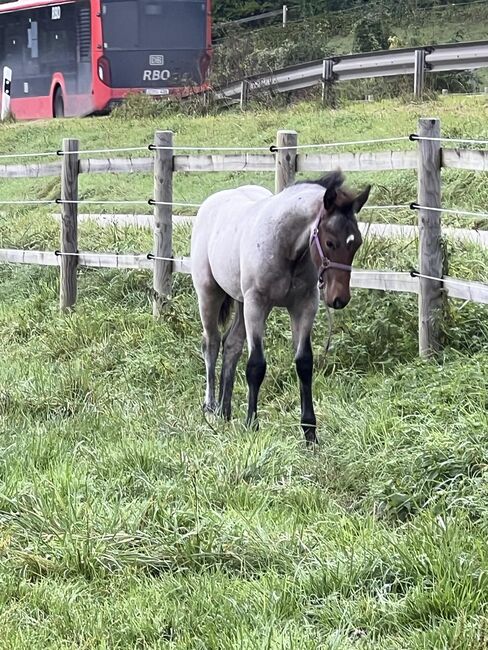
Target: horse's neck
x=294, y=232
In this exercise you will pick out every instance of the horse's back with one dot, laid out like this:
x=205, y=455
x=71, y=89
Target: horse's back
x=216, y=236
x=218, y=204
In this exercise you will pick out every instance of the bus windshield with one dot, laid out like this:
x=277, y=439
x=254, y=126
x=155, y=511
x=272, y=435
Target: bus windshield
x=153, y=25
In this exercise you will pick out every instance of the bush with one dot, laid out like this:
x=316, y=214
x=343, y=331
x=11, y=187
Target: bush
x=370, y=33
x=138, y=105
x=241, y=53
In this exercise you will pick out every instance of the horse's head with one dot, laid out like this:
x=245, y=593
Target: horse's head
x=337, y=239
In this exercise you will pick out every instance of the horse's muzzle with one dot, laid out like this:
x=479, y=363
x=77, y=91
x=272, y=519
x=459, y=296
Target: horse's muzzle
x=338, y=303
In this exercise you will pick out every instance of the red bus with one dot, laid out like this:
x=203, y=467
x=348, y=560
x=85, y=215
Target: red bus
x=77, y=57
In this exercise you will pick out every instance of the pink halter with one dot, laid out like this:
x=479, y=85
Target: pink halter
x=326, y=263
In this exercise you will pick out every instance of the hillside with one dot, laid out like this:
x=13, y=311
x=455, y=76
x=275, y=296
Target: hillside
x=426, y=26
x=253, y=48
x=128, y=520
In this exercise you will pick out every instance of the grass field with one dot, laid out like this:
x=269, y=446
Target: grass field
x=129, y=521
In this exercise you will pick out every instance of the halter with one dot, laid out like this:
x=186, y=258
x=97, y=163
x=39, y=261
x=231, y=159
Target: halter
x=326, y=263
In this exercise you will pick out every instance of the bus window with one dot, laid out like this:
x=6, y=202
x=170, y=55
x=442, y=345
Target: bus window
x=57, y=37
x=2, y=42
x=172, y=24
x=154, y=24
x=15, y=41
x=120, y=25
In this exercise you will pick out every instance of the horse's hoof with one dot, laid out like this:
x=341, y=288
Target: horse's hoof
x=210, y=408
x=311, y=438
x=252, y=424
x=224, y=413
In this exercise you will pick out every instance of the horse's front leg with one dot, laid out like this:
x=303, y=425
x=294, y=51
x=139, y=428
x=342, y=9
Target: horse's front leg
x=256, y=310
x=302, y=316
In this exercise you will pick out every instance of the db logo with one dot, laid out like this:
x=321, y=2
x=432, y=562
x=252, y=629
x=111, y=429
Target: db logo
x=156, y=59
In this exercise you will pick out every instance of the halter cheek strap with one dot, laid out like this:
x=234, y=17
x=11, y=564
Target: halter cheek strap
x=325, y=262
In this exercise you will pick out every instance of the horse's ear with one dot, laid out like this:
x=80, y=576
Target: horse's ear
x=330, y=197
x=331, y=182
x=361, y=199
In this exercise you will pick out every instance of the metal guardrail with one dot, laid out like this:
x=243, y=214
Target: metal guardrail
x=435, y=58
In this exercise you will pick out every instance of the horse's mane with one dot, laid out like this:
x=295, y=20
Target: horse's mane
x=333, y=181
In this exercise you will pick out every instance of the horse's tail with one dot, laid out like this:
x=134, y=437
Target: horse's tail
x=225, y=310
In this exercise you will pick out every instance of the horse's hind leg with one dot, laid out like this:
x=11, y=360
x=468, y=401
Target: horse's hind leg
x=255, y=313
x=233, y=343
x=302, y=317
x=209, y=303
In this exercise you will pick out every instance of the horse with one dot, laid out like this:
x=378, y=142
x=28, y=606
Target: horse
x=256, y=251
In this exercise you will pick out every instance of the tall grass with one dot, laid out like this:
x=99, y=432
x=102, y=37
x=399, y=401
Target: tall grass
x=128, y=520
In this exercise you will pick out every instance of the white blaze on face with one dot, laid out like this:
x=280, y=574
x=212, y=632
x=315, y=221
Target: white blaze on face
x=350, y=239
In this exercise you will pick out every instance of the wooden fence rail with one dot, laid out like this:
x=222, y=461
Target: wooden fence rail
x=288, y=160
x=364, y=161
x=397, y=281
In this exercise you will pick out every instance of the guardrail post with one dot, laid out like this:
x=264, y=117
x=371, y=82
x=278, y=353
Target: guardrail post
x=244, y=94
x=163, y=219
x=6, y=89
x=328, y=88
x=285, y=15
x=286, y=159
x=419, y=74
x=431, y=295
x=69, y=225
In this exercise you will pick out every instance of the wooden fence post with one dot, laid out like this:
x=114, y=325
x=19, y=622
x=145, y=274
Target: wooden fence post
x=431, y=295
x=69, y=224
x=419, y=74
x=163, y=219
x=286, y=159
x=328, y=89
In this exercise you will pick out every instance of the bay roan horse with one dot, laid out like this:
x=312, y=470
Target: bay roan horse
x=261, y=251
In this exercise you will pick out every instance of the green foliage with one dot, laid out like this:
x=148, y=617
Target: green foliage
x=142, y=106
x=223, y=10
x=242, y=53
x=230, y=10
x=371, y=33
x=245, y=51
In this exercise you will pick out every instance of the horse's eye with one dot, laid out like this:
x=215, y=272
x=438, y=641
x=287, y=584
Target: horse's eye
x=329, y=244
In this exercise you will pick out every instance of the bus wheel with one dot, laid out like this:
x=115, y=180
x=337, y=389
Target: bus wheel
x=58, y=103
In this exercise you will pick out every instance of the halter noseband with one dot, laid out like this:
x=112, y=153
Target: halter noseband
x=325, y=262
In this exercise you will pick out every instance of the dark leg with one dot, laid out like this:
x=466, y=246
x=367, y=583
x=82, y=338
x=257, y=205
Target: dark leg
x=233, y=343
x=302, y=316
x=256, y=311
x=255, y=371
x=304, y=366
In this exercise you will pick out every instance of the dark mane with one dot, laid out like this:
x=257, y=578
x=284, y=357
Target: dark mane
x=333, y=181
